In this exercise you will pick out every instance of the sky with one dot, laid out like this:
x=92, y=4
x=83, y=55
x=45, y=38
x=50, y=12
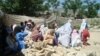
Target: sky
x=98, y=1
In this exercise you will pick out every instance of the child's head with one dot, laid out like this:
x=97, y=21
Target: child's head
x=17, y=29
x=21, y=23
x=50, y=32
x=75, y=29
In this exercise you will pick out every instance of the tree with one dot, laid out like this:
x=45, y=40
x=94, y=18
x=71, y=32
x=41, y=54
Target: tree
x=73, y=5
x=82, y=7
x=53, y=4
x=92, y=8
x=23, y=7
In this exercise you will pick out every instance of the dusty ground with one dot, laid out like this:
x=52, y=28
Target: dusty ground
x=91, y=50
x=94, y=48
x=94, y=43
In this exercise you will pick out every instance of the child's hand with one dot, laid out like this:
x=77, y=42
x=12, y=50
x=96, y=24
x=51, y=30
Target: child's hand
x=88, y=38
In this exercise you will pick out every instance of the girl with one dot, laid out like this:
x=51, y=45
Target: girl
x=85, y=36
x=75, y=38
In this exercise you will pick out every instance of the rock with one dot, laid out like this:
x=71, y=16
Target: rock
x=77, y=48
x=48, y=49
x=81, y=54
x=39, y=45
x=40, y=54
x=96, y=43
x=42, y=51
x=91, y=54
x=72, y=54
x=54, y=54
x=61, y=50
x=48, y=53
x=86, y=54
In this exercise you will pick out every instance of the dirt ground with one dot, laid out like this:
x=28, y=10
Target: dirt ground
x=94, y=42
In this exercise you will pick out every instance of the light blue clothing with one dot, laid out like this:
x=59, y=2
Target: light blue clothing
x=20, y=39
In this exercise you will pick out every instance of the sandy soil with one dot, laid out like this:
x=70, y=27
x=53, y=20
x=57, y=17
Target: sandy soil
x=91, y=50
x=94, y=48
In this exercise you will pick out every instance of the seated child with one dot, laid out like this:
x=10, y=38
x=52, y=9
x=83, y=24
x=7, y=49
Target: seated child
x=49, y=37
x=36, y=34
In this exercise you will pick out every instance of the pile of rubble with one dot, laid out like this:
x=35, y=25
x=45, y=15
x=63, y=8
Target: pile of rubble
x=40, y=49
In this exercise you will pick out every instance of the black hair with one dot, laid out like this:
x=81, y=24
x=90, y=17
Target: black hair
x=25, y=22
x=17, y=29
x=33, y=24
x=21, y=23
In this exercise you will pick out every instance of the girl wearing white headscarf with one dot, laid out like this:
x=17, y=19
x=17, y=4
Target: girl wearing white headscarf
x=64, y=34
x=83, y=25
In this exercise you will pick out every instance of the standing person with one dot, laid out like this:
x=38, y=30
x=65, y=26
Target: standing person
x=84, y=25
x=85, y=36
x=65, y=34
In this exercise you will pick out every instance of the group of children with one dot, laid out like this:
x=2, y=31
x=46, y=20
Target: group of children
x=73, y=37
x=64, y=35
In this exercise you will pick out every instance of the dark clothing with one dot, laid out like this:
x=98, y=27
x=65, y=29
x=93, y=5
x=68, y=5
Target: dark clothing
x=3, y=35
x=23, y=27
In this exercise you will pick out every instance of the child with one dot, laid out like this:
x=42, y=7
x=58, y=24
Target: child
x=20, y=38
x=75, y=38
x=49, y=37
x=36, y=34
x=85, y=36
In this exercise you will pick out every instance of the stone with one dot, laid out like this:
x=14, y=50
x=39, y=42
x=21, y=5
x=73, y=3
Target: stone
x=72, y=54
x=91, y=54
x=81, y=54
x=39, y=45
x=48, y=53
x=86, y=54
x=54, y=54
x=40, y=54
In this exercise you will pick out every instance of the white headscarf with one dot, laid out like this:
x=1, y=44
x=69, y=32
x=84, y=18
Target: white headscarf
x=66, y=28
x=64, y=33
x=43, y=29
x=14, y=26
x=83, y=25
